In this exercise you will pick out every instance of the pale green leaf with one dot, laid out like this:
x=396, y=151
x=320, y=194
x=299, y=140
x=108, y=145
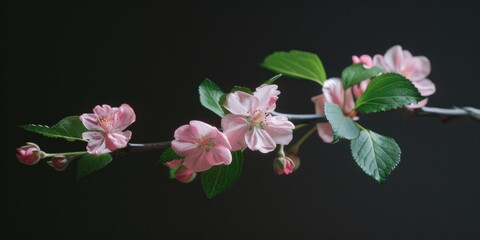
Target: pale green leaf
x=69, y=128
x=342, y=126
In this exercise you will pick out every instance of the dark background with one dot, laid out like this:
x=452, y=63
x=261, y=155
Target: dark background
x=62, y=59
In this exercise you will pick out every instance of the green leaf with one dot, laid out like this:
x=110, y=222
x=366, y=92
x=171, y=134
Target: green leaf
x=297, y=64
x=90, y=163
x=377, y=155
x=171, y=173
x=169, y=155
x=273, y=79
x=69, y=128
x=356, y=73
x=210, y=95
x=222, y=177
x=342, y=126
x=387, y=91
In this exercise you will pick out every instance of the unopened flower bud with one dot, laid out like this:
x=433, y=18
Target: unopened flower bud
x=59, y=162
x=283, y=165
x=295, y=159
x=184, y=175
x=29, y=154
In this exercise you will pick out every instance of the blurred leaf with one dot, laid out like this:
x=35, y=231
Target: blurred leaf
x=297, y=64
x=356, y=73
x=342, y=126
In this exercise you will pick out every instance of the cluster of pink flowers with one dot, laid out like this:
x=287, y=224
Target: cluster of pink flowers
x=396, y=60
x=248, y=125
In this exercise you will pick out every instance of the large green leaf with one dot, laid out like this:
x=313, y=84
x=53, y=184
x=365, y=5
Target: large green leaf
x=90, y=163
x=377, y=155
x=169, y=155
x=356, y=73
x=298, y=64
x=387, y=91
x=210, y=95
x=222, y=177
x=69, y=128
x=342, y=126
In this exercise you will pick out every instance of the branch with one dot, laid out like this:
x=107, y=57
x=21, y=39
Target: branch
x=444, y=114
x=143, y=147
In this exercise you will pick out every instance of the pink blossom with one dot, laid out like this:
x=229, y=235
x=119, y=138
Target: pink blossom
x=333, y=92
x=59, y=162
x=29, y=154
x=415, y=68
x=283, y=165
x=202, y=146
x=367, y=61
x=250, y=123
x=108, y=125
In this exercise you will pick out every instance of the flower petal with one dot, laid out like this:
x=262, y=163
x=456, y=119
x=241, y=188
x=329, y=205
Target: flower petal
x=325, y=132
x=379, y=61
x=186, y=133
x=240, y=103
x=183, y=148
x=117, y=140
x=333, y=91
x=96, y=143
x=419, y=105
x=279, y=129
x=425, y=87
x=204, y=129
x=235, y=127
x=319, y=102
x=259, y=139
x=126, y=116
x=174, y=163
x=90, y=121
x=267, y=96
x=196, y=161
x=219, y=155
x=395, y=57
x=416, y=68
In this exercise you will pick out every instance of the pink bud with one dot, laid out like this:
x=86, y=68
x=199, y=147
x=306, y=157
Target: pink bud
x=184, y=175
x=295, y=159
x=59, y=162
x=29, y=154
x=283, y=165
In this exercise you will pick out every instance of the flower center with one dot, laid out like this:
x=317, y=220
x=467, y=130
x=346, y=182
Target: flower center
x=257, y=119
x=105, y=122
x=205, y=143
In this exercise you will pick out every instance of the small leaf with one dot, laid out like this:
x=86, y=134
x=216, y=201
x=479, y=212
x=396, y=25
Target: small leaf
x=220, y=178
x=273, y=79
x=171, y=173
x=356, y=73
x=377, y=155
x=210, y=95
x=297, y=64
x=90, y=163
x=69, y=128
x=342, y=126
x=387, y=91
x=241, y=89
x=169, y=155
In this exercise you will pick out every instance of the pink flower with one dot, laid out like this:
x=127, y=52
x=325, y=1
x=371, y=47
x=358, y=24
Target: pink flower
x=283, y=165
x=416, y=69
x=333, y=92
x=367, y=61
x=59, y=162
x=30, y=154
x=250, y=123
x=108, y=125
x=202, y=146
x=184, y=175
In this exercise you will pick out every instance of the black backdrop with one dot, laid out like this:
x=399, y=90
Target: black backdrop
x=62, y=59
